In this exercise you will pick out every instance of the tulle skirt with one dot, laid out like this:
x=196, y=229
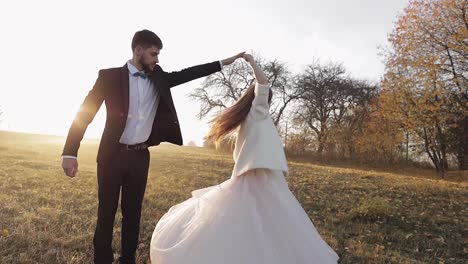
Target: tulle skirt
x=250, y=219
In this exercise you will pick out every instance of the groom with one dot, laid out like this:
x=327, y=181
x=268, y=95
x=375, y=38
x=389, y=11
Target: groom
x=140, y=114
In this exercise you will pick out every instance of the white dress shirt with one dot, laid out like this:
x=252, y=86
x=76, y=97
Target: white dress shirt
x=143, y=103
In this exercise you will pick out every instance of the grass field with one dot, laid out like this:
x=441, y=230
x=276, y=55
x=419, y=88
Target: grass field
x=366, y=216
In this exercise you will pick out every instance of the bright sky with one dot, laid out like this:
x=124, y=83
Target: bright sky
x=51, y=51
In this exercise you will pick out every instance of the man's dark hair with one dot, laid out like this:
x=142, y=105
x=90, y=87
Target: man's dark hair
x=146, y=39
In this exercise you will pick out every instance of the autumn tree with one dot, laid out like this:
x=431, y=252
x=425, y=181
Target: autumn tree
x=381, y=136
x=426, y=74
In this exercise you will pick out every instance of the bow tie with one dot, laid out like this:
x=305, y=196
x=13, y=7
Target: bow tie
x=140, y=74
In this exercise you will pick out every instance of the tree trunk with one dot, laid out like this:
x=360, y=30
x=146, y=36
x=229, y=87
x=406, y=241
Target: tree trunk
x=320, y=150
x=434, y=155
x=462, y=155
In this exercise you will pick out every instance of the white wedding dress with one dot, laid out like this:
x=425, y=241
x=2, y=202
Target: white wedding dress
x=251, y=218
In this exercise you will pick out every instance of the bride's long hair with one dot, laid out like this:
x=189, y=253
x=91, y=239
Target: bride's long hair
x=229, y=119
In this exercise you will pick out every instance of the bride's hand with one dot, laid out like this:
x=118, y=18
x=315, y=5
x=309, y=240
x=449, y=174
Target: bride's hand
x=259, y=74
x=232, y=59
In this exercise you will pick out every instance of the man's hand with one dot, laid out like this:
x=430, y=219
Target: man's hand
x=232, y=59
x=70, y=166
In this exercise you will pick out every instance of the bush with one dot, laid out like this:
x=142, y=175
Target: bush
x=372, y=208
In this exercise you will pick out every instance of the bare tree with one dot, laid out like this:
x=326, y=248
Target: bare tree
x=349, y=112
x=284, y=91
x=319, y=86
x=222, y=89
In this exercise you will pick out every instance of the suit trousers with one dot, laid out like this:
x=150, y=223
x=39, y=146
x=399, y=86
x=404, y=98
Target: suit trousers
x=126, y=173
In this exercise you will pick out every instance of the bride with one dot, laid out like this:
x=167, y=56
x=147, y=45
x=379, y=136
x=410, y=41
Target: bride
x=251, y=218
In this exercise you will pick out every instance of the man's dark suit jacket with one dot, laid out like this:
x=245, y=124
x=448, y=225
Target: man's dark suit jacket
x=112, y=87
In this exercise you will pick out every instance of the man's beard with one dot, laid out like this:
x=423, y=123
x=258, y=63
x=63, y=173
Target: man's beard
x=146, y=67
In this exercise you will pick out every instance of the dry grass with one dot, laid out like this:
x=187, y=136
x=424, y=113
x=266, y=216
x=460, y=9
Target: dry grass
x=367, y=216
